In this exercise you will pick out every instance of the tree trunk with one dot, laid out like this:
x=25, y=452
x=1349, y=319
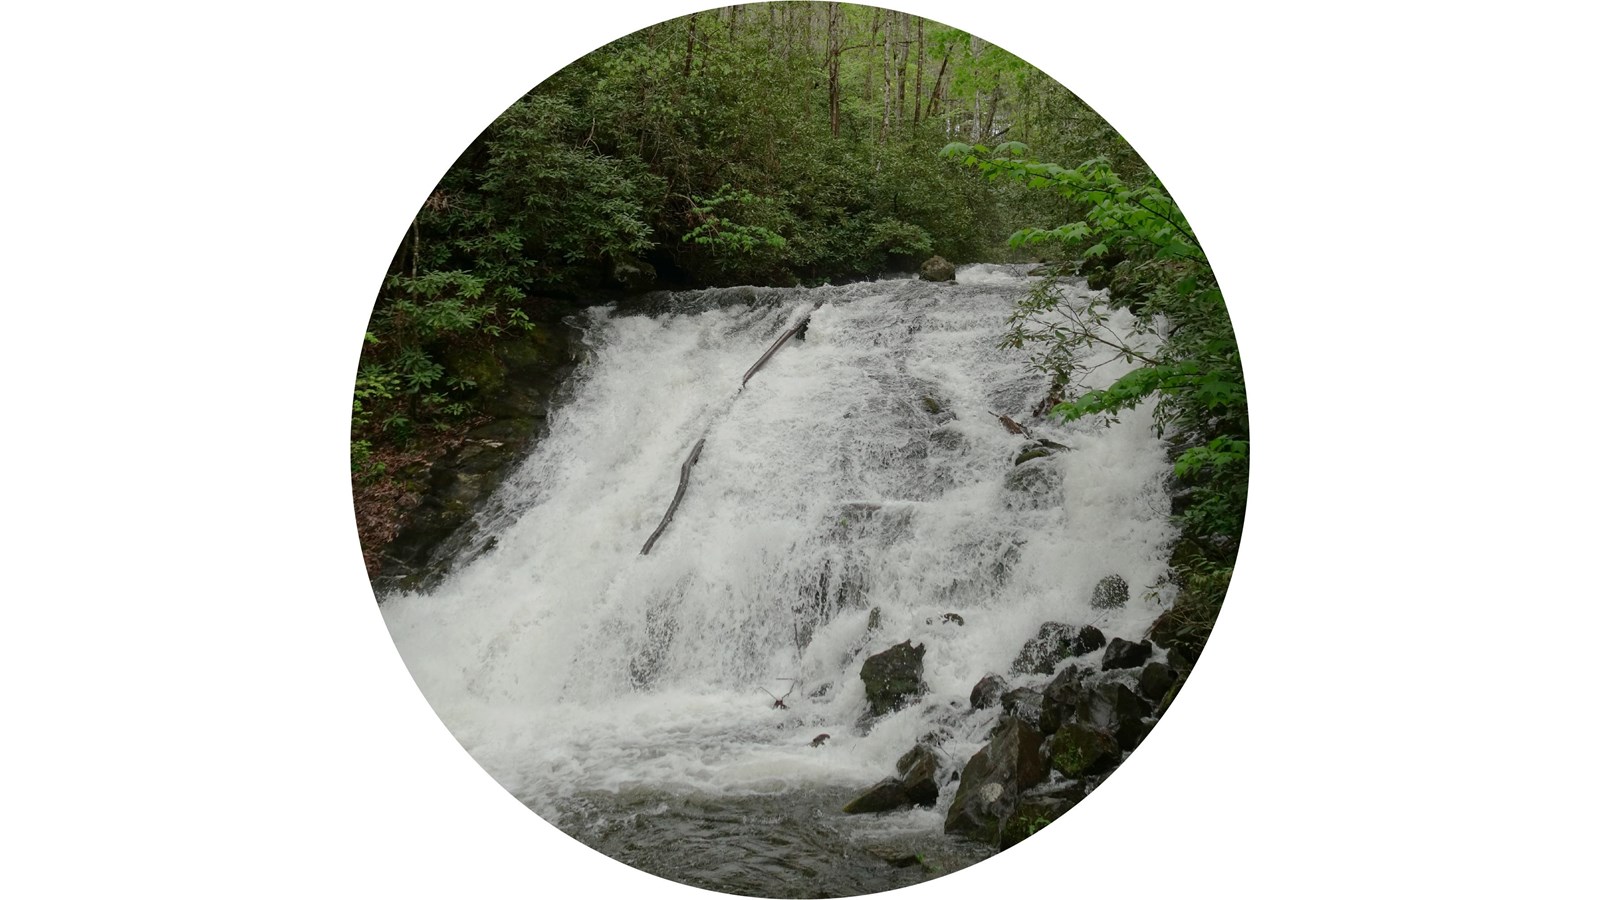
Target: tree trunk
x=834, y=49
x=902, y=58
x=688, y=53
x=916, y=107
x=888, y=75
x=938, y=83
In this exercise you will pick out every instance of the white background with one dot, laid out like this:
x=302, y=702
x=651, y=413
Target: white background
x=202, y=701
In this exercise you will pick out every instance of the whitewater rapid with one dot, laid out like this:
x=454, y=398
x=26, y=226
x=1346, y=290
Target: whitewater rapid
x=861, y=468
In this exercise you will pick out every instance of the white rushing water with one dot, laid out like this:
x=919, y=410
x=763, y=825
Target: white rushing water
x=860, y=468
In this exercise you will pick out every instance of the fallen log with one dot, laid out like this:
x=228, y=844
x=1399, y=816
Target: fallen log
x=782, y=338
x=1011, y=425
x=683, y=483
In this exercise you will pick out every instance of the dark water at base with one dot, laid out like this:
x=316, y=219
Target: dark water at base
x=795, y=844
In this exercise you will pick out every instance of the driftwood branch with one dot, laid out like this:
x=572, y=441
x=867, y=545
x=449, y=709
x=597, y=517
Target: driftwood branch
x=1011, y=424
x=782, y=338
x=683, y=483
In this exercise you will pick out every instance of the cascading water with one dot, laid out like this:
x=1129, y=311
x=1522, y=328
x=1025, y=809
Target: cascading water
x=861, y=469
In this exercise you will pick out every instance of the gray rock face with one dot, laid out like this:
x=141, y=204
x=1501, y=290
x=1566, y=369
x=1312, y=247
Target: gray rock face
x=919, y=772
x=1024, y=703
x=1115, y=710
x=987, y=691
x=993, y=780
x=1121, y=654
x=893, y=677
x=937, y=268
x=1155, y=679
x=884, y=796
x=1061, y=699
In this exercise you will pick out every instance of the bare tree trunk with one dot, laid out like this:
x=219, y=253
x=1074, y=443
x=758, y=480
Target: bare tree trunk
x=988, y=121
x=688, y=53
x=902, y=58
x=888, y=75
x=834, y=49
x=916, y=106
x=977, y=49
x=872, y=41
x=938, y=83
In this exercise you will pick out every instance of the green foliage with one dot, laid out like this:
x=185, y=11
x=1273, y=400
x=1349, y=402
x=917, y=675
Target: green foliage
x=1136, y=241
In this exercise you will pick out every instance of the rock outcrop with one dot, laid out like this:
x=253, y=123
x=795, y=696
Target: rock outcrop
x=893, y=677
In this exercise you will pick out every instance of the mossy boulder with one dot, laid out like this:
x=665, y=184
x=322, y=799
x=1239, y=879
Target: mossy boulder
x=937, y=268
x=893, y=677
x=1155, y=680
x=479, y=365
x=1035, y=811
x=1078, y=750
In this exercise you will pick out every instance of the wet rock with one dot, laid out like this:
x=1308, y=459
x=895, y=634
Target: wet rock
x=947, y=619
x=1078, y=750
x=1031, y=484
x=1034, y=812
x=1088, y=639
x=888, y=794
x=634, y=274
x=1181, y=662
x=1121, y=654
x=1037, y=448
x=937, y=268
x=517, y=386
x=1155, y=679
x=919, y=774
x=874, y=619
x=1110, y=593
x=1116, y=710
x=993, y=780
x=1169, y=696
x=1061, y=698
x=893, y=677
x=1041, y=652
x=1024, y=703
x=1131, y=734
x=1053, y=643
x=987, y=691
x=1030, y=455
x=820, y=739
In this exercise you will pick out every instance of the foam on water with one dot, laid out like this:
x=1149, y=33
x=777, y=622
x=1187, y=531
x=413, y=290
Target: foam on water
x=860, y=468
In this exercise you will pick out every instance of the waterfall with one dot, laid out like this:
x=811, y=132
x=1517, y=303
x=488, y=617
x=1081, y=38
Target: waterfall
x=861, y=468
